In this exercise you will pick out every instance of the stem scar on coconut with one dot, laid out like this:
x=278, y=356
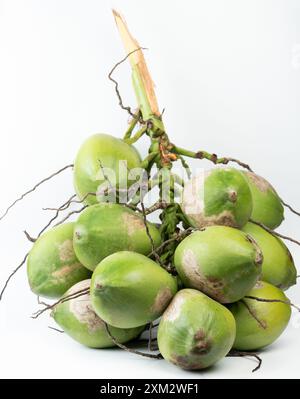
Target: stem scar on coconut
x=233, y=198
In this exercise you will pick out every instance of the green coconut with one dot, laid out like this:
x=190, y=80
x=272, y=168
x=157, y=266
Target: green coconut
x=258, y=324
x=78, y=319
x=267, y=206
x=129, y=290
x=105, y=228
x=195, y=331
x=220, y=261
x=278, y=266
x=220, y=196
x=52, y=266
x=96, y=153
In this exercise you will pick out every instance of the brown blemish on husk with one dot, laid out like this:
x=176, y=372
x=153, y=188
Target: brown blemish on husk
x=211, y=286
x=64, y=271
x=82, y=308
x=185, y=363
x=225, y=218
x=259, y=257
x=66, y=251
x=132, y=223
x=232, y=195
x=262, y=184
x=162, y=299
x=202, y=343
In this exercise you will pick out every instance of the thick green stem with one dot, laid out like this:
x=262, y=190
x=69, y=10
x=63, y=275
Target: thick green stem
x=210, y=157
x=137, y=135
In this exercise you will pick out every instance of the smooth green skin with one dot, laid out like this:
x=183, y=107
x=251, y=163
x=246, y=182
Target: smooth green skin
x=226, y=199
x=97, y=150
x=220, y=261
x=278, y=267
x=250, y=335
x=129, y=290
x=267, y=206
x=52, y=266
x=78, y=319
x=103, y=229
x=195, y=331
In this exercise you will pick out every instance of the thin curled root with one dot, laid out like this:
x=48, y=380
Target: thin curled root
x=56, y=329
x=63, y=207
x=34, y=188
x=12, y=274
x=137, y=352
x=289, y=207
x=275, y=233
x=288, y=302
x=235, y=353
x=70, y=214
x=28, y=236
x=66, y=298
x=126, y=108
x=178, y=237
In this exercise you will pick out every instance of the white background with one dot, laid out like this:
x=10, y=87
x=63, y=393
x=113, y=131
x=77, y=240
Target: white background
x=228, y=74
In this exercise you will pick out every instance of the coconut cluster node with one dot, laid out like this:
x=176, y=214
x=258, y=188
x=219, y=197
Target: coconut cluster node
x=111, y=284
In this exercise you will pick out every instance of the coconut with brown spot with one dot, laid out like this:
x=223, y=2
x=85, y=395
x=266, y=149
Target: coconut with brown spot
x=258, y=323
x=220, y=196
x=267, y=205
x=52, y=266
x=278, y=266
x=195, y=331
x=78, y=319
x=103, y=229
x=129, y=289
x=220, y=261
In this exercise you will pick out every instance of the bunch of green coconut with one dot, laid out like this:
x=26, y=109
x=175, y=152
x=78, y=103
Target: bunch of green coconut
x=224, y=291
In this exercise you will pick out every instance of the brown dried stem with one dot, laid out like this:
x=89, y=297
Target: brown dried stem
x=66, y=298
x=289, y=207
x=12, y=274
x=33, y=189
x=70, y=214
x=235, y=353
x=56, y=329
x=275, y=233
x=126, y=108
x=288, y=302
x=178, y=237
x=252, y=313
x=137, y=352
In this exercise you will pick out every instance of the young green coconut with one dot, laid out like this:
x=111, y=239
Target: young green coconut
x=129, y=290
x=52, y=266
x=98, y=152
x=105, y=228
x=78, y=319
x=278, y=266
x=220, y=196
x=195, y=331
x=259, y=323
x=267, y=205
x=220, y=261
